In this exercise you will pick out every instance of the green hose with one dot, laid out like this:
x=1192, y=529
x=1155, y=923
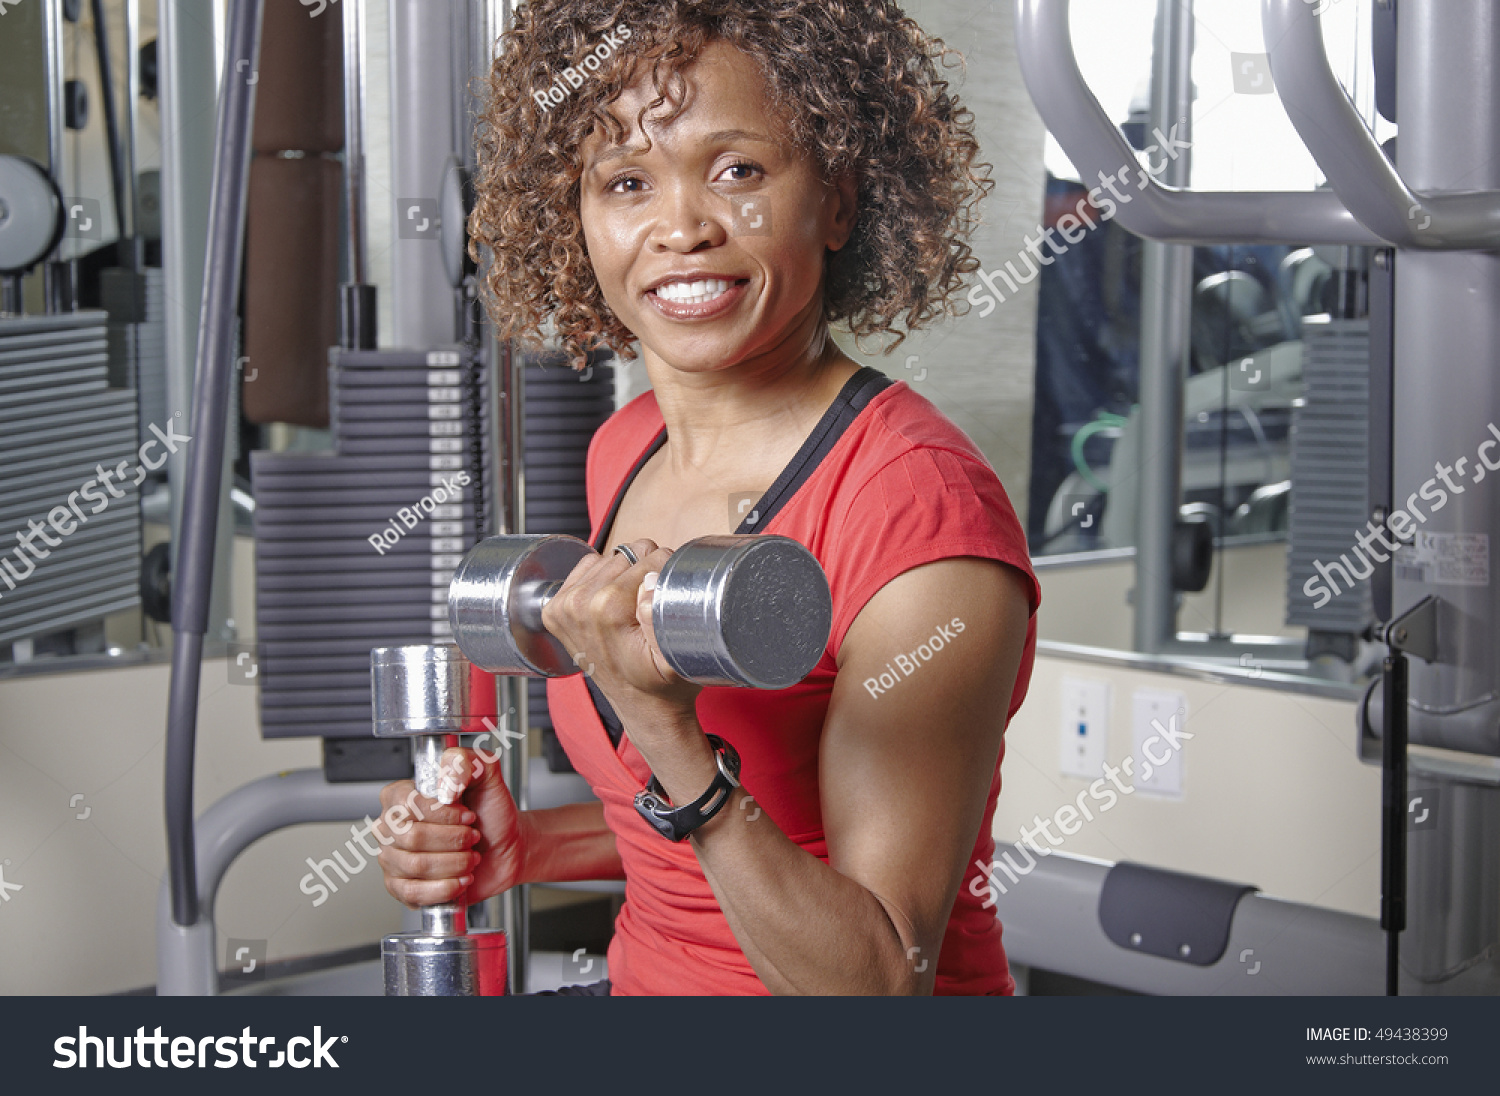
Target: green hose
x=1103, y=420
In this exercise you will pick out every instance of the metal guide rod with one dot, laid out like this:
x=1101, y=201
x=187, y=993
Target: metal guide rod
x=510, y=475
x=357, y=314
x=1166, y=301
x=510, y=411
x=354, y=134
x=213, y=376
x=111, y=121
x=136, y=259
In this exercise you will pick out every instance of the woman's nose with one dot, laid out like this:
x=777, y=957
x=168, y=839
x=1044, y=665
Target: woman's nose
x=688, y=227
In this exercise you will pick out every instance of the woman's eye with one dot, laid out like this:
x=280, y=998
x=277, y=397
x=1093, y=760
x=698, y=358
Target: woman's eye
x=741, y=172
x=621, y=184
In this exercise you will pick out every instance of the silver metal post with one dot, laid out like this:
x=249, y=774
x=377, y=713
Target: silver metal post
x=52, y=20
x=57, y=292
x=354, y=134
x=1446, y=396
x=510, y=493
x=1166, y=308
x=509, y=415
x=132, y=115
x=422, y=302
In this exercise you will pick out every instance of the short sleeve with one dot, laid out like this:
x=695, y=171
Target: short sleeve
x=925, y=505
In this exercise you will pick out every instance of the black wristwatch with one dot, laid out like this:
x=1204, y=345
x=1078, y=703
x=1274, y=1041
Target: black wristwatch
x=675, y=823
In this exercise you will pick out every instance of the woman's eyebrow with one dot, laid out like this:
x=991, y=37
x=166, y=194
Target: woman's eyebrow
x=619, y=152
x=720, y=136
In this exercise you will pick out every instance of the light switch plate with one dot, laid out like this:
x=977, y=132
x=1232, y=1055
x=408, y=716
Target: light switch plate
x=1158, y=733
x=1085, y=722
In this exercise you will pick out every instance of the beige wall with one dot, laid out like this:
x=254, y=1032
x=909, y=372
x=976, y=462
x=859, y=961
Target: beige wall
x=1272, y=792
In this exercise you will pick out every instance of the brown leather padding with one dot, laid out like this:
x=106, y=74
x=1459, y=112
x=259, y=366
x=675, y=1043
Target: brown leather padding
x=299, y=97
x=291, y=288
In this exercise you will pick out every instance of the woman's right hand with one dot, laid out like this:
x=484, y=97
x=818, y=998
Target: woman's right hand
x=474, y=846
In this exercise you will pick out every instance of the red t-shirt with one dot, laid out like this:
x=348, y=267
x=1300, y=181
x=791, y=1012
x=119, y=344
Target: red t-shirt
x=902, y=486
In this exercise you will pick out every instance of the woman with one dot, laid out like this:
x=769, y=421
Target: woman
x=725, y=181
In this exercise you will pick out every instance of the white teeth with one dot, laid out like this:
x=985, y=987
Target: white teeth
x=693, y=292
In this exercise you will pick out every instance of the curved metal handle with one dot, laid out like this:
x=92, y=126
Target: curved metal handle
x=1097, y=148
x=1346, y=152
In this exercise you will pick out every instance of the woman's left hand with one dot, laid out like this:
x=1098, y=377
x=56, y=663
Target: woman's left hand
x=602, y=615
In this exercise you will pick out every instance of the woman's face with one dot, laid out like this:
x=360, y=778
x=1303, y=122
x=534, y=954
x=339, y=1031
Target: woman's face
x=709, y=247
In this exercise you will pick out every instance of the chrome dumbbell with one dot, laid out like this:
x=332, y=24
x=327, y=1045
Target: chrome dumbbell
x=432, y=694
x=727, y=610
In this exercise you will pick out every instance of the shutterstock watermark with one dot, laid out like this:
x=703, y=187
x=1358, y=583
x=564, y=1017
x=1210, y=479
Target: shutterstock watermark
x=1460, y=559
x=1070, y=817
x=1071, y=226
x=85, y=1051
x=64, y=520
x=908, y=664
x=593, y=61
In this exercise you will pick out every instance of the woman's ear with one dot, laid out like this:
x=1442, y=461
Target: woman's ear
x=842, y=196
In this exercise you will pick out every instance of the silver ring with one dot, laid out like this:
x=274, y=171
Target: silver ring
x=625, y=551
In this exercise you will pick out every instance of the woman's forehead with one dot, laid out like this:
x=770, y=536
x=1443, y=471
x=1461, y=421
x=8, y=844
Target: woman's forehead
x=720, y=95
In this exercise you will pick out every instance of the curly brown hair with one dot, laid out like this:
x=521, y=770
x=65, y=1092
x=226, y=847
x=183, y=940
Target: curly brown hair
x=859, y=86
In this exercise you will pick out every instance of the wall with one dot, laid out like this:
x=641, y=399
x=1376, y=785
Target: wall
x=1272, y=792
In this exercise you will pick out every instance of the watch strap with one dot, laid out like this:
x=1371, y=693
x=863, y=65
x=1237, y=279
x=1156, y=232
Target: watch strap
x=676, y=823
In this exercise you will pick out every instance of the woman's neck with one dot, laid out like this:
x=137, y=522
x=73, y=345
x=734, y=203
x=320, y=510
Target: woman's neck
x=752, y=410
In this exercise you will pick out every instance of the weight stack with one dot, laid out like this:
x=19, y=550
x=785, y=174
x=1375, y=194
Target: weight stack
x=59, y=421
x=562, y=408
x=1330, y=475
x=138, y=348
x=355, y=548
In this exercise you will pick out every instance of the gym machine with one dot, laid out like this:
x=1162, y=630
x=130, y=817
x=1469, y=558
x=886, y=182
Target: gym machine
x=1434, y=297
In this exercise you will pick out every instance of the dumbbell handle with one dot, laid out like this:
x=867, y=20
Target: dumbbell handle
x=448, y=918
x=532, y=598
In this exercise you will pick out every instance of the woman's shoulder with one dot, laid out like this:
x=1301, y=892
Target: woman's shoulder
x=904, y=438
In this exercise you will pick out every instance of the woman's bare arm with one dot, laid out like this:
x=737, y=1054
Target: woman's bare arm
x=569, y=843
x=904, y=775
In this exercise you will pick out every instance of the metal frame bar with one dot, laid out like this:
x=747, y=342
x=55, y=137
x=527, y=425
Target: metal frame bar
x=186, y=961
x=1044, y=48
x=1358, y=170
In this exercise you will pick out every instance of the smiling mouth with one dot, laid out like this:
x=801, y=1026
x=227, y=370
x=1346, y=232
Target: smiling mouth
x=703, y=291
